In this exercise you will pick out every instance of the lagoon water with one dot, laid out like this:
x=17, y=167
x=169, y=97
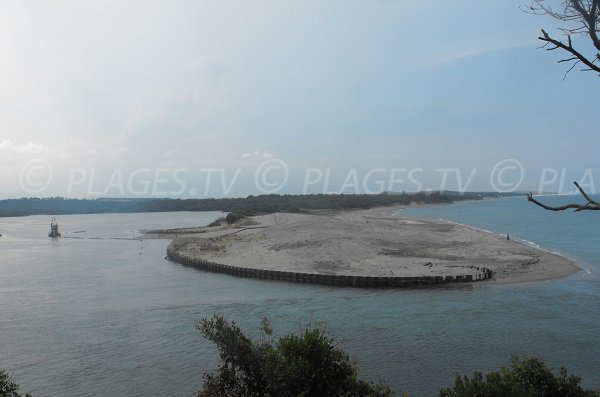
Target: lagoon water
x=98, y=317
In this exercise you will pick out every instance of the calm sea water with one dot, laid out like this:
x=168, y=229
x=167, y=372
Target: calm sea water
x=94, y=317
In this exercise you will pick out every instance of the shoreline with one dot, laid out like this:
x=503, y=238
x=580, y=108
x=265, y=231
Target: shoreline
x=575, y=267
x=528, y=244
x=376, y=243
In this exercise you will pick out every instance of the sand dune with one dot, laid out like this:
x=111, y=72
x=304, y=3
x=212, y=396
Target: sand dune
x=369, y=243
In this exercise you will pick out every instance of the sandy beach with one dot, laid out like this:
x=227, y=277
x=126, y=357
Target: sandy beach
x=373, y=243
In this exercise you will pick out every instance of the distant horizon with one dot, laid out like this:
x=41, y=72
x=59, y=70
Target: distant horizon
x=130, y=198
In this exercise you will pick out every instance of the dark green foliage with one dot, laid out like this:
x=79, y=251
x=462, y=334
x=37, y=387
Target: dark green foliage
x=527, y=377
x=254, y=205
x=60, y=205
x=217, y=222
x=234, y=217
x=251, y=205
x=307, y=365
x=8, y=388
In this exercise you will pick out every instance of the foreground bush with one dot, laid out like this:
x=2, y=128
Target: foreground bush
x=527, y=377
x=8, y=388
x=308, y=365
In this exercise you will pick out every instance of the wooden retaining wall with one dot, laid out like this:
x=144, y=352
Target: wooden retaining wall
x=326, y=279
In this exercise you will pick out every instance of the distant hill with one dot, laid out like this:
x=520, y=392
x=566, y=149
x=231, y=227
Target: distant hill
x=250, y=205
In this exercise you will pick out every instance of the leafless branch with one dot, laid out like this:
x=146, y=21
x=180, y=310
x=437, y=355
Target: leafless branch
x=569, y=48
x=584, y=194
x=582, y=18
x=591, y=205
x=571, y=68
x=568, y=59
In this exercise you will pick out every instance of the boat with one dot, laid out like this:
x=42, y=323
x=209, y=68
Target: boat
x=54, y=233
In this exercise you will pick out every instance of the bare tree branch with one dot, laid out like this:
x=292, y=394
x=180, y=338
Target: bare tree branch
x=571, y=68
x=584, y=194
x=592, y=205
x=582, y=18
x=568, y=47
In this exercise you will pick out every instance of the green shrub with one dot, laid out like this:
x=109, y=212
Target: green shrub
x=234, y=217
x=308, y=365
x=527, y=377
x=8, y=388
x=217, y=222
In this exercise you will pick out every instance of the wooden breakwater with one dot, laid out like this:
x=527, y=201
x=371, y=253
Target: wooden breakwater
x=481, y=273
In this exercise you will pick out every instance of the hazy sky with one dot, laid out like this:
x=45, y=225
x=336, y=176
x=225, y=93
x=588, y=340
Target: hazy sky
x=96, y=90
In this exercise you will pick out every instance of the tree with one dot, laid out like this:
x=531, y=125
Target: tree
x=7, y=387
x=308, y=365
x=528, y=377
x=581, y=18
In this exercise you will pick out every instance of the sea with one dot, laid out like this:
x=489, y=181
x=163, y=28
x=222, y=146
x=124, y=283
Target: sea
x=99, y=312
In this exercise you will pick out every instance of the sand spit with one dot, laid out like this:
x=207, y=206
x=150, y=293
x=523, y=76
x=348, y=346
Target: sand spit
x=366, y=243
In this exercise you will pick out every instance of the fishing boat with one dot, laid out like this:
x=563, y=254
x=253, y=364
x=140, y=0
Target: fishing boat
x=54, y=233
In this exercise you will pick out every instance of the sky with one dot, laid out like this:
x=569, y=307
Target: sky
x=197, y=98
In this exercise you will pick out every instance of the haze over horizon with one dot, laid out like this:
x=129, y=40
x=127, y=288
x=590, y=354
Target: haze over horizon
x=329, y=86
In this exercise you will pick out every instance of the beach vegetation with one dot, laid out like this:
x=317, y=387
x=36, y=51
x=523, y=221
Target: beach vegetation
x=525, y=377
x=217, y=222
x=309, y=364
x=234, y=217
x=312, y=365
x=247, y=206
x=8, y=388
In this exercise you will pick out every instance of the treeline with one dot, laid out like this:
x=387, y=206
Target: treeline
x=253, y=205
x=250, y=205
x=59, y=205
